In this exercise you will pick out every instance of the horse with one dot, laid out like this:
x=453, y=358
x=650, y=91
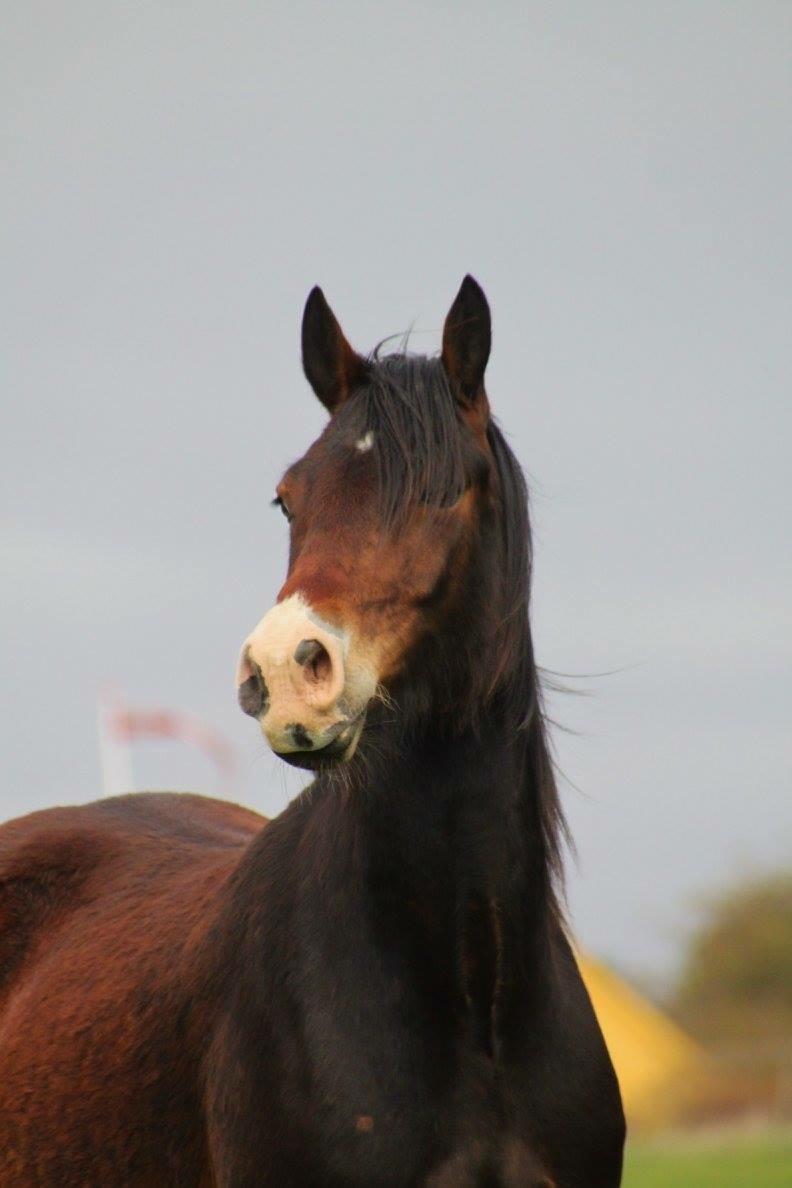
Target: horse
x=376, y=987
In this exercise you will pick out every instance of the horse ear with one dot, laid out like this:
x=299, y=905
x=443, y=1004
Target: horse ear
x=467, y=337
x=331, y=366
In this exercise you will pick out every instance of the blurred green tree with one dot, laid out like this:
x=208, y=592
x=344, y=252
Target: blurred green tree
x=735, y=989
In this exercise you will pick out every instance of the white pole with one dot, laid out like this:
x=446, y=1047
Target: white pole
x=115, y=753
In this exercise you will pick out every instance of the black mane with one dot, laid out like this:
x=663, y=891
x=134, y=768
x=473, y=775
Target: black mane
x=425, y=453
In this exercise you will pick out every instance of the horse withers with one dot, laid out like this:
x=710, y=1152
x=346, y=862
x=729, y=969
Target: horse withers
x=376, y=987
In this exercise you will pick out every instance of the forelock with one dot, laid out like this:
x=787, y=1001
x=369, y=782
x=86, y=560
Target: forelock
x=418, y=442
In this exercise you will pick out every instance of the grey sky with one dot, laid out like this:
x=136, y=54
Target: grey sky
x=617, y=176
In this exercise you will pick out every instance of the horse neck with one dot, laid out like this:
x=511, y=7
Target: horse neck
x=448, y=835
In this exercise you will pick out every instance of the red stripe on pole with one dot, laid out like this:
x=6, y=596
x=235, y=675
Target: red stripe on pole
x=128, y=725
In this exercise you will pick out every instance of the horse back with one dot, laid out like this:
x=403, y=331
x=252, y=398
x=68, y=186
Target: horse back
x=105, y=992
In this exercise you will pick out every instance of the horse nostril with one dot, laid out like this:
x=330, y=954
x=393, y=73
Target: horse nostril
x=253, y=694
x=314, y=658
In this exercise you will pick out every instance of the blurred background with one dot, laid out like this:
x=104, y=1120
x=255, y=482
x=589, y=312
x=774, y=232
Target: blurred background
x=618, y=177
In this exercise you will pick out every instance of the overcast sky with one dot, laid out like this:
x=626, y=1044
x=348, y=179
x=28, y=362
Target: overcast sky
x=617, y=176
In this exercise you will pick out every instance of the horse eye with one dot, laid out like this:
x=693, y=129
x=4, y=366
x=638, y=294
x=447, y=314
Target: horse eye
x=279, y=502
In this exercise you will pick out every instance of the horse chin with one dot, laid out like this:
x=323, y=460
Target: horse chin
x=339, y=751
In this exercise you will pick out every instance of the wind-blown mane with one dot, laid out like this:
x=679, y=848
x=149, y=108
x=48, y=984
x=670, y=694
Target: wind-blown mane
x=424, y=454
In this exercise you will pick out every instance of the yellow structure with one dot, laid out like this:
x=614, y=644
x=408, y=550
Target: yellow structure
x=660, y=1069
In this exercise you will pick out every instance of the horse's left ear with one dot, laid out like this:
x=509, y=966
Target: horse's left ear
x=331, y=366
x=467, y=338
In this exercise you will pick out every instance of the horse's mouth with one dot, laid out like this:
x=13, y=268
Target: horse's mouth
x=339, y=750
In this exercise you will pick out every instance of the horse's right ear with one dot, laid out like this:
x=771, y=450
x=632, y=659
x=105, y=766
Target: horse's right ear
x=331, y=366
